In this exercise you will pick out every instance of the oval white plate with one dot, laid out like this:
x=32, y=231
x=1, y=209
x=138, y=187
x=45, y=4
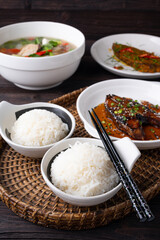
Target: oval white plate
x=102, y=52
x=133, y=88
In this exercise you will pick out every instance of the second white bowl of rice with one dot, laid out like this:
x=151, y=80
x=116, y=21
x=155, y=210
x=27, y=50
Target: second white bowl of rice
x=79, y=171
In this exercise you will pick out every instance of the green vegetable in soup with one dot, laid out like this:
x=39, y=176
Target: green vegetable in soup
x=50, y=45
x=9, y=44
x=33, y=55
x=36, y=47
x=38, y=40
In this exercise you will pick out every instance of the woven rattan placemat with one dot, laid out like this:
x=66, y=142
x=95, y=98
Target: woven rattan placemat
x=24, y=191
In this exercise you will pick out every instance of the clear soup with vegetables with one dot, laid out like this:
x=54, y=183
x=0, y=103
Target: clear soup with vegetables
x=36, y=47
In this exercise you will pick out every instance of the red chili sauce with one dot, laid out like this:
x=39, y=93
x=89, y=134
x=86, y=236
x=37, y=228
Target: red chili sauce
x=151, y=133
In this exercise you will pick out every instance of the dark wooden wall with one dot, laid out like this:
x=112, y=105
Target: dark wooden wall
x=80, y=4
x=95, y=18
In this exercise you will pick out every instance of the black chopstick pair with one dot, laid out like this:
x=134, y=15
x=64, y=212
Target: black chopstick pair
x=139, y=204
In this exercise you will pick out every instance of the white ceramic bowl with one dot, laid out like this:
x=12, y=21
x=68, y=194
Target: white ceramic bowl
x=44, y=72
x=9, y=114
x=126, y=149
x=132, y=88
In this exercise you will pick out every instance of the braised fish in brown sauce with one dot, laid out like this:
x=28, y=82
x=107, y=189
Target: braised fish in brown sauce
x=130, y=116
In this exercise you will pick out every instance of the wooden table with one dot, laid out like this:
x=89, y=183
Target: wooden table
x=95, y=19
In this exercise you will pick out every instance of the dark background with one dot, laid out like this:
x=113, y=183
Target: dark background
x=96, y=19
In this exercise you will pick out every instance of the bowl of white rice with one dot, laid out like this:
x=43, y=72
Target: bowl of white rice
x=80, y=172
x=31, y=129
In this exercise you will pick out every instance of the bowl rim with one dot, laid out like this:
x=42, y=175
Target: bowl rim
x=78, y=52
x=44, y=22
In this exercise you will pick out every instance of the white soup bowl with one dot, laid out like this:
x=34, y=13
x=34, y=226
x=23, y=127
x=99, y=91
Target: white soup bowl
x=43, y=72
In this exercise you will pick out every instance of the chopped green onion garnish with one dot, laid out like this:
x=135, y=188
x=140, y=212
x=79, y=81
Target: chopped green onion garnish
x=128, y=105
x=152, y=130
x=120, y=105
x=118, y=99
x=120, y=111
x=137, y=105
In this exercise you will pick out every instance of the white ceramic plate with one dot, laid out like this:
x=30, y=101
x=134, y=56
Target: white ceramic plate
x=133, y=88
x=102, y=53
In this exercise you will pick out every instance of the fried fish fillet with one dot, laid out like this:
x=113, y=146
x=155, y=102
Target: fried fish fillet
x=140, y=60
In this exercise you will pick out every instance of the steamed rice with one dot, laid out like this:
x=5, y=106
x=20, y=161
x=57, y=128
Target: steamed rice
x=83, y=170
x=38, y=127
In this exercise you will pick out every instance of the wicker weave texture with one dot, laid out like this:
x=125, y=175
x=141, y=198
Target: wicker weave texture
x=24, y=191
